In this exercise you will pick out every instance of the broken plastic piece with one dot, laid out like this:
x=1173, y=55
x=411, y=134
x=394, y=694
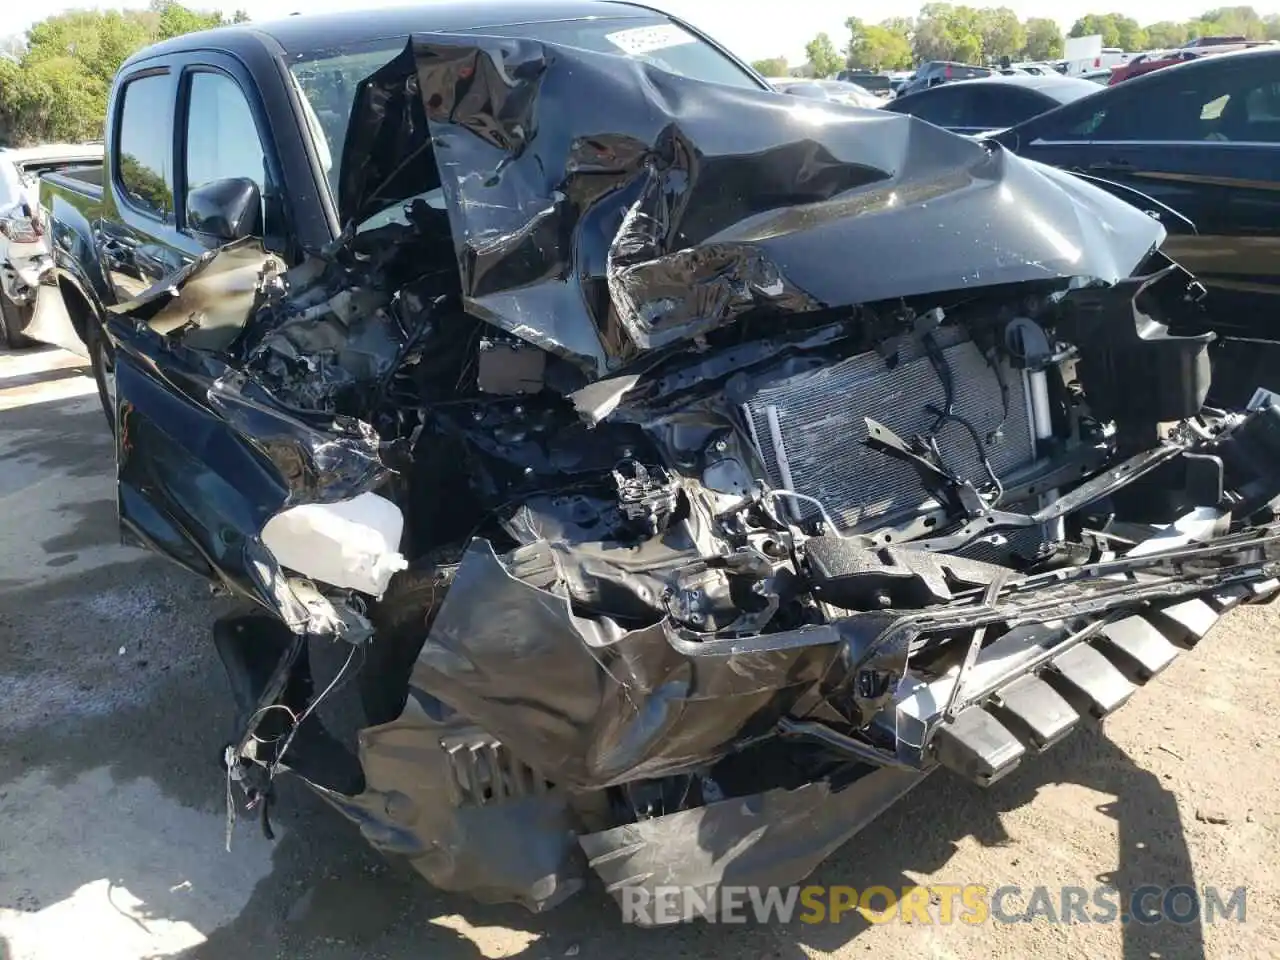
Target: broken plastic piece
x=646, y=496
x=351, y=544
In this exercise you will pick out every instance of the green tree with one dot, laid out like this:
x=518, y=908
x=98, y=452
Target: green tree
x=1166, y=33
x=771, y=67
x=1234, y=21
x=174, y=19
x=1044, y=39
x=99, y=41
x=946, y=32
x=882, y=49
x=1132, y=36
x=903, y=26
x=1097, y=23
x=54, y=99
x=1116, y=29
x=57, y=89
x=882, y=46
x=1271, y=27
x=1002, y=33
x=823, y=56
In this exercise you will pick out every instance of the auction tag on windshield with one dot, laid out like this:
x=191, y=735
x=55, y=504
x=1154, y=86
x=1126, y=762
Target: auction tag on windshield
x=640, y=40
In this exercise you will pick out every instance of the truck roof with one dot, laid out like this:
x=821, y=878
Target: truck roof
x=306, y=32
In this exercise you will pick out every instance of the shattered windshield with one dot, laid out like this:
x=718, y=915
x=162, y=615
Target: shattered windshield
x=328, y=78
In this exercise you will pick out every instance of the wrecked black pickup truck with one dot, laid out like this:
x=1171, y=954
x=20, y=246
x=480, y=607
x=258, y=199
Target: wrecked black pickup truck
x=684, y=471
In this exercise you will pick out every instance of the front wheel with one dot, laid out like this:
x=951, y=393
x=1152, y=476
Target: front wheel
x=13, y=319
x=103, y=360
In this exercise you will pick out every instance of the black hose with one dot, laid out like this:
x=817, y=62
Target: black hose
x=945, y=417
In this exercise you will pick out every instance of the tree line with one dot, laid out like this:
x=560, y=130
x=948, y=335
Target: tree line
x=54, y=85
x=944, y=31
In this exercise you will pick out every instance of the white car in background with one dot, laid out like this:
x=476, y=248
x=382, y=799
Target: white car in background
x=24, y=250
x=839, y=91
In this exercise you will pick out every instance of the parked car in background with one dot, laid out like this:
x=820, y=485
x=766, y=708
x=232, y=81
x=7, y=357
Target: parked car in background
x=1105, y=58
x=850, y=94
x=24, y=249
x=797, y=87
x=837, y=91
x=897, y=78
x=1034, y=67
x=1202, y=138
x=878, y=84
x=1154, y=60
x=1214, y=41
x=1102, y=77
x=1151, y=61
x=994, y=103
x=934, y=72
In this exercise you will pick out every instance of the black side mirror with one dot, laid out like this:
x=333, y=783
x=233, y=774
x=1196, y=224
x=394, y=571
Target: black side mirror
x=225, y=210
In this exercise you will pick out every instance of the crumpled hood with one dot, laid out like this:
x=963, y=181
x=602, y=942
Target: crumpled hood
x=601, y=207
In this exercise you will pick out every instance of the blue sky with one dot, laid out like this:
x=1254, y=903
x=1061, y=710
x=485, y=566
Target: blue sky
x=751, y=28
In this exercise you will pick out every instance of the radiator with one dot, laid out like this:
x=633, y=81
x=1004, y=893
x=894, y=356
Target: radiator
x=809, y=428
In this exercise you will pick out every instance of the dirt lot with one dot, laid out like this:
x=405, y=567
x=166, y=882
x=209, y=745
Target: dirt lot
x=111, y=813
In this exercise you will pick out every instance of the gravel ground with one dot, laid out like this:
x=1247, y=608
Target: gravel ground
x=112, y=821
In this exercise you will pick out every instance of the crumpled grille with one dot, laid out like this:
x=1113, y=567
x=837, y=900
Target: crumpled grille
x=820, y=416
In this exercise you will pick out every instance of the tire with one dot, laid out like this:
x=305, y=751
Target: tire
x=102, y=359
x=13, y=319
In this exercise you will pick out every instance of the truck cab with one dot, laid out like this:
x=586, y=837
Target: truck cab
x=238, y=132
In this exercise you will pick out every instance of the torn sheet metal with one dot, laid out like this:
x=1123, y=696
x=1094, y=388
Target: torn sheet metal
x=205, y=456
x=466, y=814
x=425, y=800
x=207, y=303
x=767, y=840
x=602, y=207
x=593, y=705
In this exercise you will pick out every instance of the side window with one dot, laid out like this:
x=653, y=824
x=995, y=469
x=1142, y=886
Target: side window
x=222, y=140
x=1005, y=106
x=1075, y=121
x=1240, y=105
x=1256, y=118
x=143, y=172
x=943, y=108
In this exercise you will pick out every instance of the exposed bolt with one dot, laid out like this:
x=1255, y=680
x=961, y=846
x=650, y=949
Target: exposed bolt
x=477, y=416
x=695, y=619
x=721, y=446
x=518, y=411
x=883, y=600
x=760, y=588
x=528, y=471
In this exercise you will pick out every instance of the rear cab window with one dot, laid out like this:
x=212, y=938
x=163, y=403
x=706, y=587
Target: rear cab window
x=144, y=145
